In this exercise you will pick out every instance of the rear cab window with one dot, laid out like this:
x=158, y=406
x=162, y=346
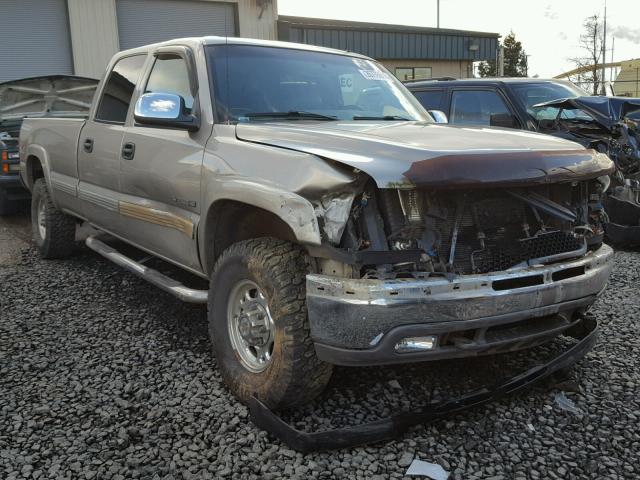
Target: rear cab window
x=118, y=90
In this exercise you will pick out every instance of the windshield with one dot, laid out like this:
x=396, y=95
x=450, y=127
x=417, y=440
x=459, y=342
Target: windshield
x=250, y=82
x=530, y=94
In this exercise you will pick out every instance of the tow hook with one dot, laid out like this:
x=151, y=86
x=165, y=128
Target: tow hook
x=396, y=425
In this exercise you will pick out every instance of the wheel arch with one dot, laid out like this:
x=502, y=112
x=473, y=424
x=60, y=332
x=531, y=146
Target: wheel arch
x=229, y=221
x=36, y=166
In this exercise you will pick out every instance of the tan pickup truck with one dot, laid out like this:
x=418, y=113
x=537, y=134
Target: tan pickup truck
x=335, y=221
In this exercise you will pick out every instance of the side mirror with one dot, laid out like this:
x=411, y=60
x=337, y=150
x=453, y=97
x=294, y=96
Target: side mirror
x=164, y=110
x=439, y=116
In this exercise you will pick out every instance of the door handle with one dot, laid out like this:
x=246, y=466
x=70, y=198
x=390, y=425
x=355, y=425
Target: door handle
x=88, y=145
x=128, y=150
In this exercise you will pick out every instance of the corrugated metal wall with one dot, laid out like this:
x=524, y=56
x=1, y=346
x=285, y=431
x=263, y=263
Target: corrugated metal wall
x=94, y=35
x=141, y=22
x=34, y=39
x=395, y=44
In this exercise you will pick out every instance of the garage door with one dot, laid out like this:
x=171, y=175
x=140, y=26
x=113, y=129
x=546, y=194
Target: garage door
x=141, y=22
x=34, y=39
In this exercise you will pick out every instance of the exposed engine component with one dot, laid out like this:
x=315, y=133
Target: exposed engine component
x=481, y=231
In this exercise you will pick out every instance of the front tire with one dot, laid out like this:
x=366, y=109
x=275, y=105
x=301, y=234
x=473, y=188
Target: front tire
x=53, y=231
x=258, y=323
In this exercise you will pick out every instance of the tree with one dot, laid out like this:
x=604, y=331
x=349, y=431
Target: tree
x=515, y=60
x=591, y=42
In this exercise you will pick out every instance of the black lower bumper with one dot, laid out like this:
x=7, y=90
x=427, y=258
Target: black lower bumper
x=389, y=428
x=12, y=188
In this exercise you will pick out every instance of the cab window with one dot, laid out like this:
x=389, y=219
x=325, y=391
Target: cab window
x=431, y=99
x=479, y=107
x=170, y=75
x=117, y=93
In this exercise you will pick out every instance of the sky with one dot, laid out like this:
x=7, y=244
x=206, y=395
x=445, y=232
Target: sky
x=549, y=30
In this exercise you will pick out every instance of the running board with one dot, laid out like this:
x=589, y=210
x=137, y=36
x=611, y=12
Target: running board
x=150, y=275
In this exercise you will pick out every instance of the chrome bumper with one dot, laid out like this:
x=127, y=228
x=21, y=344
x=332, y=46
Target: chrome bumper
x=359, y=321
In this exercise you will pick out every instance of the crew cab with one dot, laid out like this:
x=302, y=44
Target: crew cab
x=336, y=222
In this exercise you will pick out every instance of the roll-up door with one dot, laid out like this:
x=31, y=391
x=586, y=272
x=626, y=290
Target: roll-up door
x=34, y=39
x=141, y=22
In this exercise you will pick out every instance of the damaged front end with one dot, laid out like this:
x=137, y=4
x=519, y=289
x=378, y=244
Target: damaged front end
x=427, y=273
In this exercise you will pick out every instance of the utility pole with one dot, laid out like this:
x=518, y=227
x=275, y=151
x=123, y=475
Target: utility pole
x=613, y=69
x=438, y=12
x=604, y=50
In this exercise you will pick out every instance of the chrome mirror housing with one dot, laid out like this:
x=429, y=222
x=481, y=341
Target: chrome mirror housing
x=439, y=116
x=159, y=105
x=164, y=109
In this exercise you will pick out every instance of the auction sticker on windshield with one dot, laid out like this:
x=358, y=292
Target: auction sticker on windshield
x=373, y=75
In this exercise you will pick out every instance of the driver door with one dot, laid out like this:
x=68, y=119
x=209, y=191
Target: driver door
x=160, y=168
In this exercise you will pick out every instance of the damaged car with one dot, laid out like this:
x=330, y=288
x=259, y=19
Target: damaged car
x=335, y=221
x=560, y=108
x=46, y=96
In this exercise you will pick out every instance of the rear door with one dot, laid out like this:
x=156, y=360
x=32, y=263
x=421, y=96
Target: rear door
x=160, y=167
x=100, y=144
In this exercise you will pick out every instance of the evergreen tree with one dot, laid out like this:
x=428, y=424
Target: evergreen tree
x=515, y=60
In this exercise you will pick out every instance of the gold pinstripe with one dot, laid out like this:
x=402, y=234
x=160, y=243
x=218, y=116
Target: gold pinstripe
x=157, y=217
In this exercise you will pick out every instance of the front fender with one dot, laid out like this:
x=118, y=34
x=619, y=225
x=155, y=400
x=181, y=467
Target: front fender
x=296, y=211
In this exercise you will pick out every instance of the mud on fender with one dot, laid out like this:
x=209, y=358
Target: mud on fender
x=391, y=427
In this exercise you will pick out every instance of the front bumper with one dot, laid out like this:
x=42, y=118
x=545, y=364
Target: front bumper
x=360, y=321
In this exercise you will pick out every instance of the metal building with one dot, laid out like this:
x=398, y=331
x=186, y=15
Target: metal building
x=409, y=52
x=45, y=37
x=627, y=82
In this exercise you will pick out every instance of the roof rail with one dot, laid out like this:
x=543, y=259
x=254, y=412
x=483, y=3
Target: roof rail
x=434, y=79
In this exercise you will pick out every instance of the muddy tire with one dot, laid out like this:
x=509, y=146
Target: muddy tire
x=53, y=231
x=258, y=323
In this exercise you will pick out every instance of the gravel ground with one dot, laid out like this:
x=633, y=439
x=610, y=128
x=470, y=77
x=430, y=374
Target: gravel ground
x=103, y=376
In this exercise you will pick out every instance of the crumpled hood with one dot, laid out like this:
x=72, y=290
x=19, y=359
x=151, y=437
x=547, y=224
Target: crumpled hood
x=398, y=154
x=605, y=110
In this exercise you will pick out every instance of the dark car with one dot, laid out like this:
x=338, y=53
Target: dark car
x=560, y=108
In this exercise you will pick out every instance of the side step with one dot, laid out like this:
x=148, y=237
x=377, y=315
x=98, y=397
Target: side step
x=150, y=275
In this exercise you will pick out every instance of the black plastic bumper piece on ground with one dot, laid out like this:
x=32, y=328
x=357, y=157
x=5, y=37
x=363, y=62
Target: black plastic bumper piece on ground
x=389, y=428
x=625, y=235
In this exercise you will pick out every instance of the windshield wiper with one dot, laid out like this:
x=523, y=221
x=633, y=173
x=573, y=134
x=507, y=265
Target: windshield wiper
x=383, y=117
x=293, y=114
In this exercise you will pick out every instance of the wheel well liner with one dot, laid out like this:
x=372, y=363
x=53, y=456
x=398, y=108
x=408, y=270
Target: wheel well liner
x=34, y=170
x=230, y=221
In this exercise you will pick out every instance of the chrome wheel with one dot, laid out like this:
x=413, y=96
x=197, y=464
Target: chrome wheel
x=250, y=325
x=42, y=219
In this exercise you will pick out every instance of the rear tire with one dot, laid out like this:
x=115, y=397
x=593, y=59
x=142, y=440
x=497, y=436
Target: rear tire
x=258, y=323
x=53, y=232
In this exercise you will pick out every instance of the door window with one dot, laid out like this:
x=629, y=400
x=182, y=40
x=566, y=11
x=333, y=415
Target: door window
x=430, y=99
x=170, y=75
x=478, y=107
x=117, y=93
